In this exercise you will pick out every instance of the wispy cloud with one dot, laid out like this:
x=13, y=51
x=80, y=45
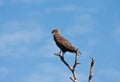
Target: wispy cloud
x=82, y=76
x=67, y=8
x=19, y=41
x=74, y=9
x=83, y=24
x=94, y=41
x=46, y=72
x=110, y=74
x=22, y=36
x=39, y=78
x=83, y=31
x=26, y=1
x=3, y=72
x=16, y=39
x=2, y=2
x=116, y=32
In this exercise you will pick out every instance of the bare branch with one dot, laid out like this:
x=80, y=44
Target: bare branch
x=62, y=59
x=91, y=69
x=72, y=69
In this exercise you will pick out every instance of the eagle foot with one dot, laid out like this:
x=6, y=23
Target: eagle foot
x=57, y=54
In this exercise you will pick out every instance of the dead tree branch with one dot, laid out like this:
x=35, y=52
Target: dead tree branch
x=91, y=69
x=71, y=68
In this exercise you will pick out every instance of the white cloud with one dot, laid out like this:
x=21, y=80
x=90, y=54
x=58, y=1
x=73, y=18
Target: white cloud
x=22, y=36
x=17, y=38
x=13, y=26
x=20, y=32
x=19, y=42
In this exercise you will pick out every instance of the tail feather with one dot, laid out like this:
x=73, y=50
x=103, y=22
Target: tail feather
x=78, y=52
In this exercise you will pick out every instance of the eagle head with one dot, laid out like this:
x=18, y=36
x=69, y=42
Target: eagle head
x=55, y=32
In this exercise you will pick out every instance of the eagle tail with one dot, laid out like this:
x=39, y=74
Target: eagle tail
x=78, y=52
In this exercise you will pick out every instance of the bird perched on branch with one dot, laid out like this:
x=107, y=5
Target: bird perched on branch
x=64, y=44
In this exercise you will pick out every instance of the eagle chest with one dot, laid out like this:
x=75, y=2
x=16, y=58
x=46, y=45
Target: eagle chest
x=60, y=43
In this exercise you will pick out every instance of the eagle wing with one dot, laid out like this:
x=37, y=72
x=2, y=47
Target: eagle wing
x=64, y=44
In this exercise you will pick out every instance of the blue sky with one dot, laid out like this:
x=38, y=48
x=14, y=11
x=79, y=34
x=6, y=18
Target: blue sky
x=27, y=46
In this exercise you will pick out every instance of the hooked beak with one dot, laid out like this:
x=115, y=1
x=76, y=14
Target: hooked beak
x=53, y=33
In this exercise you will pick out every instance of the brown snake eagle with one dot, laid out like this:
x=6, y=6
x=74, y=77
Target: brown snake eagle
x=64, y=44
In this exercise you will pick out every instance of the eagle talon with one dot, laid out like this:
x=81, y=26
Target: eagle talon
x=77, y=63
x=57, y=54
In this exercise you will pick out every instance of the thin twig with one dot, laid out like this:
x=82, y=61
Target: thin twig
x=91, y=69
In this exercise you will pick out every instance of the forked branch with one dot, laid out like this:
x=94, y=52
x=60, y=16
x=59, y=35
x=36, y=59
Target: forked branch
x=71, y=68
